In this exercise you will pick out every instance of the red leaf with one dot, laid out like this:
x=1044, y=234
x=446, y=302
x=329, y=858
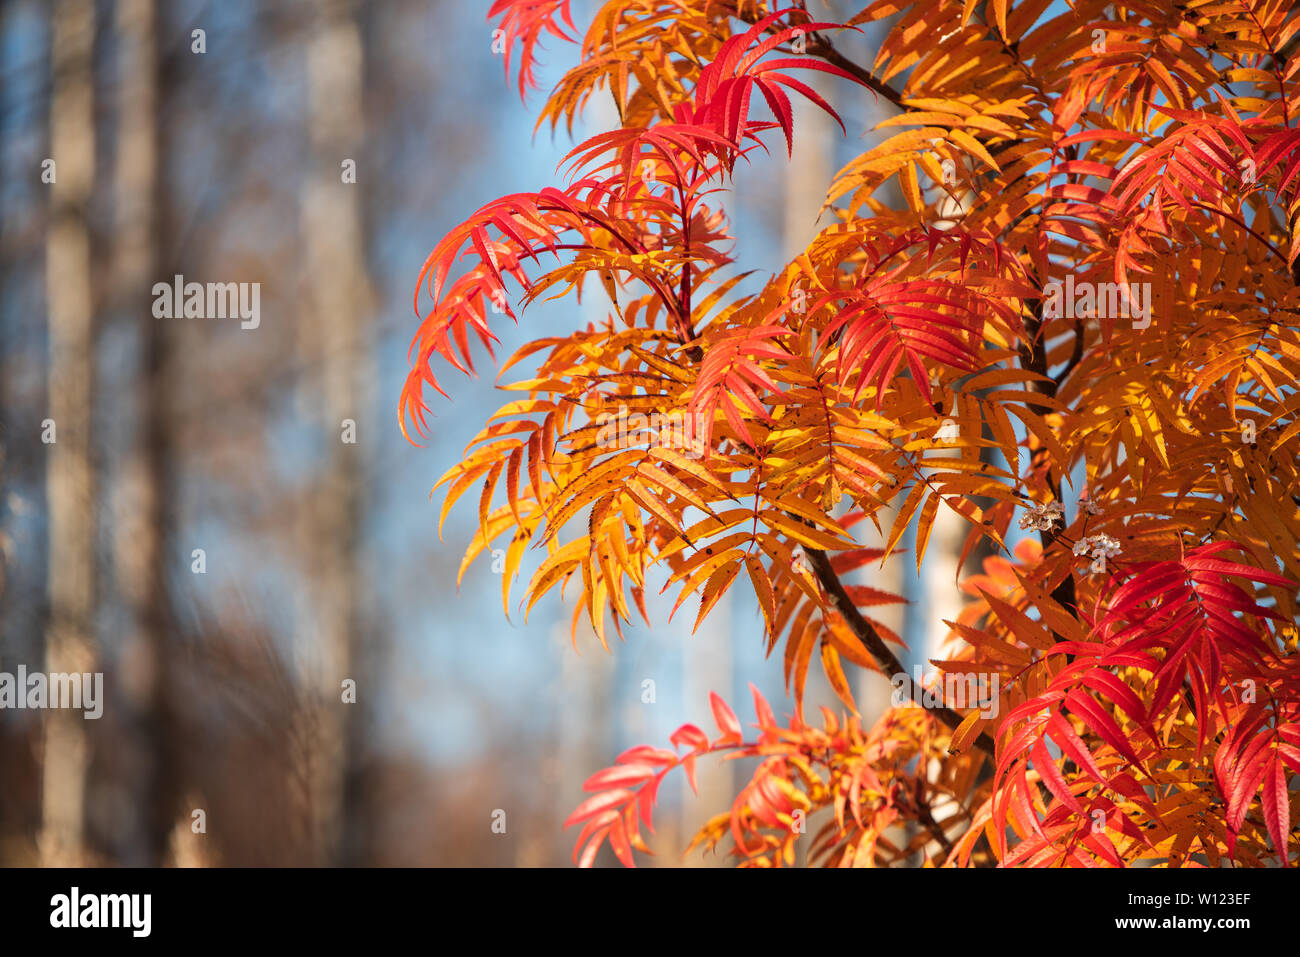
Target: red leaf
x=595, y=804
x=1277, y=807
x=726, y=719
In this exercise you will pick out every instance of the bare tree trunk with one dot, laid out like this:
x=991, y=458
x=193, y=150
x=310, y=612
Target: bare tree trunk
x=584, y=685
x=70, y=477
x=142, y=536
x=709, y=665
x=338, y=300
x=808, y=172
x=943, y=599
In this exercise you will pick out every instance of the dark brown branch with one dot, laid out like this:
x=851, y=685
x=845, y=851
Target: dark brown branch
x=866, y=633
x=824, y=50
x=1033, y=357
x=1295, y=266
x=1076, y=356
x=926, y=817
x=821, y=48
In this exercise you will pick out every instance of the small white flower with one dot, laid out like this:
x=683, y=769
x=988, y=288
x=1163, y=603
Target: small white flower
x=1106, y=545
x=1042, y=516
x=1098, y=546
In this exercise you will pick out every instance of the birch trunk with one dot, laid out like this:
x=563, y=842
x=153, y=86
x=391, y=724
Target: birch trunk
x=70, y=480
x=337, y=299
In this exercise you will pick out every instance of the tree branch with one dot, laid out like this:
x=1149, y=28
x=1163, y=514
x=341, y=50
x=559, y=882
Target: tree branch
x=1033, y=357
x=866, y=633
x=926, y=817
x=821, y=48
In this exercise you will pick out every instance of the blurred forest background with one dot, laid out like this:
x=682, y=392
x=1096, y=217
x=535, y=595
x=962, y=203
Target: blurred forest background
x=320, y=558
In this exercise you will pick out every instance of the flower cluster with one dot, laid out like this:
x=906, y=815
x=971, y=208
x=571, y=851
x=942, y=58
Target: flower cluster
x=1100, y=547
x=1043, y=516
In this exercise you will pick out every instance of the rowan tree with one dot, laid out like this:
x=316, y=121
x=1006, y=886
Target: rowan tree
x=1061, y=294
